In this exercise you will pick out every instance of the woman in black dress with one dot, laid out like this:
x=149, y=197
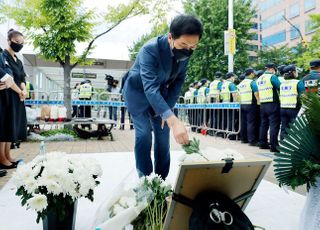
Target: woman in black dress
x=13, y=121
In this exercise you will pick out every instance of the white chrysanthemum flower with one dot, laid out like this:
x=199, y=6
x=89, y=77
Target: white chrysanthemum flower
x=127, y=202
x=30, y=185
x=38, y=202
x=93, y=167
x=54, y=188
x=118, y=209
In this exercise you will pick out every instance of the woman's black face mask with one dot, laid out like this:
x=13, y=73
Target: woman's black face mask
x=16, y=47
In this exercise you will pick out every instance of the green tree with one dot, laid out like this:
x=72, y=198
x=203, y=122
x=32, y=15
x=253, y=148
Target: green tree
x=313, y=49
x=282, y=55
x=55, y=27
x=209, y=56
x=157, y=30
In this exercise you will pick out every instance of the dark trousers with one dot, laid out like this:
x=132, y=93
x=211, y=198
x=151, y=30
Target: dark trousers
x=287, y=116
x=144, y=124
x=85, y=112
x=113, y=113
x=270, y=117
x=249, y=123
x=122, y=118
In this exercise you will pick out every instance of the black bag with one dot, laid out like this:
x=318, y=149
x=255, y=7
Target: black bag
x=214, y=210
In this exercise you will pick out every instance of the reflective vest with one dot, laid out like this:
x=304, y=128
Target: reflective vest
x=187, y=97
x=281, y=79
x=85, y=91
x=201, y=99
x=289, y=94
x=312, y=82
x=245, y=91
x=213, y=89
x=265, y=88
x=28, y=87
x=225, y=91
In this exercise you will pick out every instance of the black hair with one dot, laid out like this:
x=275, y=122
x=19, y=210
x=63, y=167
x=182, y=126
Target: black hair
x=185, y=25
x=13, y=33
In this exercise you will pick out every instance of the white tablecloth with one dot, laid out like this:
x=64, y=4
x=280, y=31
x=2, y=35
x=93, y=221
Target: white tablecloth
x=270, y=207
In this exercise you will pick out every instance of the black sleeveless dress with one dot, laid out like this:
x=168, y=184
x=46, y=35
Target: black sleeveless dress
x=13, y=120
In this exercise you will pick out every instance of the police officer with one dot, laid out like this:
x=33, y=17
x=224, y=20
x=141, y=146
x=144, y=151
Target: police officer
x=194, y=112
x=249, y=97
x=281, y=72
x=290, y=91
x=202, y=99
x=85, y=93
x=214, y=97
x=268, y=86
x=30, y=91
x=312, y=80
x=229, y=93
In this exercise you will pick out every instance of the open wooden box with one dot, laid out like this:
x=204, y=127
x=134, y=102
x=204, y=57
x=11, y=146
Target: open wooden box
x=239, y=183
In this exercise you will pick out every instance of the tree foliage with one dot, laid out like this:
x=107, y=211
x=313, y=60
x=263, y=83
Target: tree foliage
x=209, y=56
x=157, y=30
x=313, y=49
x=56, y=27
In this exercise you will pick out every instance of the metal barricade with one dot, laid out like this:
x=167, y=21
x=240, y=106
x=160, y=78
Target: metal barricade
x=214, y=118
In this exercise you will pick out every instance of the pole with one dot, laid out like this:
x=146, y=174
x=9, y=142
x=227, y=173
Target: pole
x=230, y=26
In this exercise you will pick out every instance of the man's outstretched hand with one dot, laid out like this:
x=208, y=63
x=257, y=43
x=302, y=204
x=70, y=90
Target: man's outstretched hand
x=179, y=130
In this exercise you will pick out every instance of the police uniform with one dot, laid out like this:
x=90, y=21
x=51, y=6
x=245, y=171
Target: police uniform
x=312, y=80
x=281, y=71
x=202, y=99
x=290, y=105
x=227, y=89
x=214, y=97
x=85, y=93
x=249, y=108
x=268, y=84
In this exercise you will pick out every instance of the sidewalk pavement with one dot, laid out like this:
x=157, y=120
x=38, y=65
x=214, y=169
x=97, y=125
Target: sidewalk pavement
x=124, y=142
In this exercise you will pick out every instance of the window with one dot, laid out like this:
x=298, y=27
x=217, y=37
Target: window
x=253, y=58
x=294, y=33
x=274, y=39
x=309, y=27
x=254, y=26
x=268, y=4
x=253, y=48
x=309, y=5
x=294, y=10
x=255, y=37
x=273, y=20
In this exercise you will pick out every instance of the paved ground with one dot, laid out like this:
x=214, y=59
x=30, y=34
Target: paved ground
x=124, y=142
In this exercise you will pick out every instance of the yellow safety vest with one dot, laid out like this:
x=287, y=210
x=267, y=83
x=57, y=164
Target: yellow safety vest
x=187, y=97
x=281, y=79
x=213, y=89
x=265, y=88
x=225, y=92
x=245, y=91
x=289, y=94
x=28, y=87
x=85, y=91
x=201, y=99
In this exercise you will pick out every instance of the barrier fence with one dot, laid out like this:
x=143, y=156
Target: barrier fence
x=212, y=118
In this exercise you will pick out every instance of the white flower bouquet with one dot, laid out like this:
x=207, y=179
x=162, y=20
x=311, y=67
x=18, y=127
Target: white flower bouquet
x=52, y=181
x=143, y=205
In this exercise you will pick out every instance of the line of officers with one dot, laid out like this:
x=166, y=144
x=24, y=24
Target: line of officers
x=268, y=98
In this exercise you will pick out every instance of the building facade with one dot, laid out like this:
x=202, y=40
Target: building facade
x=273, y=28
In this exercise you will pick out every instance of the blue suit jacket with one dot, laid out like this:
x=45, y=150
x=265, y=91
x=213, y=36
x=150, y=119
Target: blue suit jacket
x=146, y=85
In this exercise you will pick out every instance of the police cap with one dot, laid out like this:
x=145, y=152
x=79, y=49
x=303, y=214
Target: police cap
x=248, y=71
x=315, y=63
x=289, y=68
x=281, y=69
x=271, y=66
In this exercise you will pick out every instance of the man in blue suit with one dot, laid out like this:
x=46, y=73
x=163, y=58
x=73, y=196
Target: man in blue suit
x=152, y=89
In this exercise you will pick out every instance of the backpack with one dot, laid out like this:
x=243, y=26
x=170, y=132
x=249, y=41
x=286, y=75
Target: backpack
x=214, y=210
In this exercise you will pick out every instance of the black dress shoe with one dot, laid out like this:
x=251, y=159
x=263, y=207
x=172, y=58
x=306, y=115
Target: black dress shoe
x=253, y=144
x=12, y=166
x=264, y=146
x=3, y=172
x=16, y=162
x=274, y=150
